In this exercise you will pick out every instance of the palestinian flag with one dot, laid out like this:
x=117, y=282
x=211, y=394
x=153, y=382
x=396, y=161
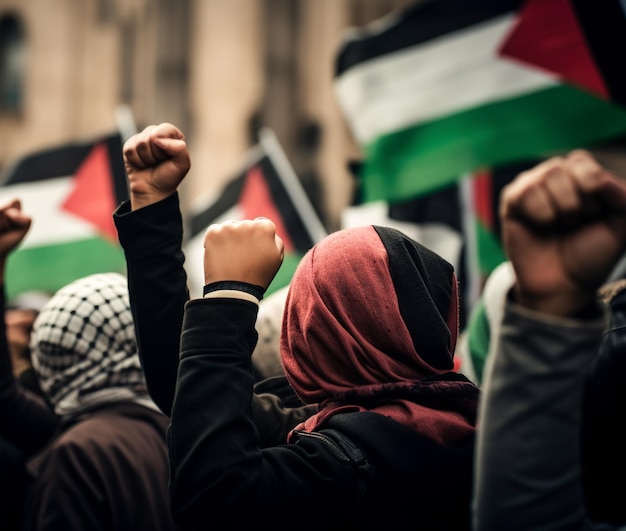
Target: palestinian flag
x=448, y=109
x=432, y=94
x=70, y=191
x=581, y=42
x=265, y=187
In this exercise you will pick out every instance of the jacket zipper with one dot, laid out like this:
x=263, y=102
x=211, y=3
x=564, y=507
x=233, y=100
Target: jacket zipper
x=334, y=448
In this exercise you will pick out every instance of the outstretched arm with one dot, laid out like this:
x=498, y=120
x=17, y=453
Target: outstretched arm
x=150, y=230
x=211, y=415
x=564, y=227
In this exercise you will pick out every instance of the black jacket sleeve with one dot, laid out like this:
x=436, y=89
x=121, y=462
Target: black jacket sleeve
x=152, y=241
x=219, y=472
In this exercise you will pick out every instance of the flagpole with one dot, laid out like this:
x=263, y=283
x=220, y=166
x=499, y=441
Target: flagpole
x=288, y=176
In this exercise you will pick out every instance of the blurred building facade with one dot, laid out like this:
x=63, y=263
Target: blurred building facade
x=219, y=69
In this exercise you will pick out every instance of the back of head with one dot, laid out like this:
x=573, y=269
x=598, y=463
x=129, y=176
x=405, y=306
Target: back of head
x=83, y=345
x=366, y=306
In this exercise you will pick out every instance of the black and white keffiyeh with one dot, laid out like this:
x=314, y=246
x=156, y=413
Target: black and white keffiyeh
x=84, y=348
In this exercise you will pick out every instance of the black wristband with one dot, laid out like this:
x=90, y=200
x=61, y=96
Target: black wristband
x=252, y=289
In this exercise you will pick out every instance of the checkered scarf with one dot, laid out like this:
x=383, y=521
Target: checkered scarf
x=83, y=345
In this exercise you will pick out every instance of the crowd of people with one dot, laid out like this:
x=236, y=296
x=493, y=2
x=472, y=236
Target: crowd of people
x=393, y=425
x=87, y=447
x=147, y=410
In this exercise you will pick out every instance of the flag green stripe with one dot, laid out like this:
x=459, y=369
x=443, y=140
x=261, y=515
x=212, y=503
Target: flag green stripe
x=405, y=88
x=284, y=274
x=51, y=267
x=431, y=155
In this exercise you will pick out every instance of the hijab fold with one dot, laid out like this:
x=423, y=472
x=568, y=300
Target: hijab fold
x=370, y=324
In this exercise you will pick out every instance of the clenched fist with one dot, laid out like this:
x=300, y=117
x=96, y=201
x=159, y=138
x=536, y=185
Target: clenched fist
x=156, y=162
x=564, y=227
x=245, y=251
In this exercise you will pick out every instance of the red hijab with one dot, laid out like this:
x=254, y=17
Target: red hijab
x=370, y=324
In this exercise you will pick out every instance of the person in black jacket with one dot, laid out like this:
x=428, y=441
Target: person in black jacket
x=150, y=230
x=369, y=332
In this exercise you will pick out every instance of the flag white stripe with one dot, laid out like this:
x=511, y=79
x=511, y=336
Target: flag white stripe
x=42, y=200
x=429, y=81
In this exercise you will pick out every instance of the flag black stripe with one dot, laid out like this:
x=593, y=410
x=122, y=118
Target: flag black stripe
x=417, y=24
x=63, y=161
x=49, y=164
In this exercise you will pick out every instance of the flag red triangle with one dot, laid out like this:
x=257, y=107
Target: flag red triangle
x=483, y=200
x=256, y=201
x=93, y=197
x=547, y=35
